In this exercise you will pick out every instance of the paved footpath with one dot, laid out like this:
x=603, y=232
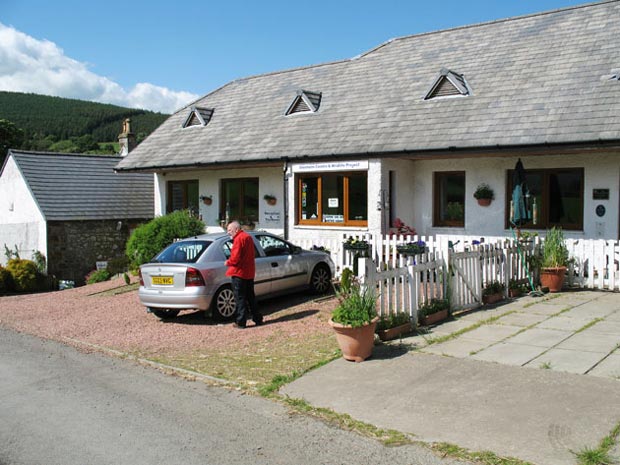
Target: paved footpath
x=534, y=378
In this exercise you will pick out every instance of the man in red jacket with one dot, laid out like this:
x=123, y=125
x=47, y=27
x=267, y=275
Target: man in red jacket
x=242, y=269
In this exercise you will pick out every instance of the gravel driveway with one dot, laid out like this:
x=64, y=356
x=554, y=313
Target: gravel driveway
x=94, y=315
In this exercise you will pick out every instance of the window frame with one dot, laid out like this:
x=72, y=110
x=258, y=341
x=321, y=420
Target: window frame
x=437, y=221
x=184, y=183
x=543, y=208
x=345, y=193
x=242, y=215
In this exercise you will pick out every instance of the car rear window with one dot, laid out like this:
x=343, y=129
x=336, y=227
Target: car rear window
x=182, y=252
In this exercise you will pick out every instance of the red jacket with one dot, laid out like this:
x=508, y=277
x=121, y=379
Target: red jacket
x=241, y=261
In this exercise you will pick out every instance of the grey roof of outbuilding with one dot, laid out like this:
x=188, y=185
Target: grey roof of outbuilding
x=537, y=79
x=85, y=187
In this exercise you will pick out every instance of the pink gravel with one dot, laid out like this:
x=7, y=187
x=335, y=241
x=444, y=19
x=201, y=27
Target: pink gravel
x=84, y=315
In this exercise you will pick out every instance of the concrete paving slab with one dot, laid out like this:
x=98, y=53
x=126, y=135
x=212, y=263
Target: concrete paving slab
x=606, y=327
x=492, y=332
x=521, y=319
x=615, y=316
x=481, y=315
x=588, y=311
x=564, y=323
x=608, y=367
x=534, y=415
x=459, y=348
x=540, y=337
x=546, y=308
x=589, y=341
x=451, y=327
x=570, y=361
x=509, y=354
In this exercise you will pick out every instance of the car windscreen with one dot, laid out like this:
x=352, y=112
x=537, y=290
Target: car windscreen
x=182, y=252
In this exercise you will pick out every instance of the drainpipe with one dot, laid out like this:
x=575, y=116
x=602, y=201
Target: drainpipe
x=285, y=198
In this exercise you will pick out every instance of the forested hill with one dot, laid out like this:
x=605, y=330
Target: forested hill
x=56, y=118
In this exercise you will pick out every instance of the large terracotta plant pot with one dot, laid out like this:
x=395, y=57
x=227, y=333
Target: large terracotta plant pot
x=553, y=278
x=355, y=343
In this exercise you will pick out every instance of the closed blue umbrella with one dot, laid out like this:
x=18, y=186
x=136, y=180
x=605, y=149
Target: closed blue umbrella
x=521, y=212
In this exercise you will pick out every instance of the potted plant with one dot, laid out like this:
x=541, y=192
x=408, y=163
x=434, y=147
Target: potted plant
x=206, y=199
x=392, y=326
x=554, y=260
x=493, y=292
x=515, y=288
x=354, y=319
x=434, y=311
x=270, y=199
x=484, y=194
x=412, y=248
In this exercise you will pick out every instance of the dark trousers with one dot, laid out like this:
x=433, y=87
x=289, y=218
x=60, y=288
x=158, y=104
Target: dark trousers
x=245, y=301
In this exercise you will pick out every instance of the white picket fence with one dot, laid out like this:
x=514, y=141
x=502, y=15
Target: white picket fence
x=462, y=266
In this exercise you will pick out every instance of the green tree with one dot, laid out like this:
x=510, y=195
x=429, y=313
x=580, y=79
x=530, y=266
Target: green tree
x=10, y=137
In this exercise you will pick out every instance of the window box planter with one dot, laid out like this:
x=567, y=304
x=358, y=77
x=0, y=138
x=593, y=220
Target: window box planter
x=395, y=332
x=433, y=318
x=412, y=248
x=492, y=298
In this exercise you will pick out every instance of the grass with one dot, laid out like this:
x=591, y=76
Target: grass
x=601, y=454
x=481, y=458
x=255, y=367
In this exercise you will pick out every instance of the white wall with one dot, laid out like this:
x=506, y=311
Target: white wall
x=600, y=171
x=21, y=220
x=270, y=181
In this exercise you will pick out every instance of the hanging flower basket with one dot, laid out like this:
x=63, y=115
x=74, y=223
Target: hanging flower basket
x=412, y=248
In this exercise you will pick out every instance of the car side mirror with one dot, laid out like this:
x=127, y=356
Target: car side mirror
x=296, y=250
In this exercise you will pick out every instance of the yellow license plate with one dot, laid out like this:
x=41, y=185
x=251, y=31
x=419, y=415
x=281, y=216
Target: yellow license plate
x=163, y=280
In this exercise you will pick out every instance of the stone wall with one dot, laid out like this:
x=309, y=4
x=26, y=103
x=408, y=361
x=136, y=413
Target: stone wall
x=74, y=247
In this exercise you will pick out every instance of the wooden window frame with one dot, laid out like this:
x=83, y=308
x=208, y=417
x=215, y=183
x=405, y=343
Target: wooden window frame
x=437, y=221
x=184, y=183
x=543, y=209
x=242, y=216
x=345, y=193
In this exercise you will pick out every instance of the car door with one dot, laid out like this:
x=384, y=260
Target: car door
x=287, y=269
x=262, y=280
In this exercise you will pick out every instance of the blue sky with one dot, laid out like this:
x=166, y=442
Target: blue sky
x=161, y=55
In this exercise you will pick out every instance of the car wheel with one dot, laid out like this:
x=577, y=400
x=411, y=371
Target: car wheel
x=224, y=304
x=321, y=279
x=164, y=313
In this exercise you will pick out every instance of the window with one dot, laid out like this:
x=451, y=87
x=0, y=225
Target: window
x=273, y=246
x=333, y=199
x=556, y=197
x=449, y=199
x=239, y=199
x=182, y=195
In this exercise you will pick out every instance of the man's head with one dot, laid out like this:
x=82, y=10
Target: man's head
x=233, y=228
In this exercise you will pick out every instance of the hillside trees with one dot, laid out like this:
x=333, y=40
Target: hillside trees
x=10, y=137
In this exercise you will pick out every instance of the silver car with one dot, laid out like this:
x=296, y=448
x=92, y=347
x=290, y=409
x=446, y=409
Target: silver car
x=190, y=274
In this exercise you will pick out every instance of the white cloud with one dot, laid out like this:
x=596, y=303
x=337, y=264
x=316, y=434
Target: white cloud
x=41, y=67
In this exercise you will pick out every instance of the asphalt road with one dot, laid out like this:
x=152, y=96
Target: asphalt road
x=61, y=406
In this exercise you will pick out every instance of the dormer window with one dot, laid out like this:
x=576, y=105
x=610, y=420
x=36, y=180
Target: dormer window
x=448, y=84
x=305, y=102
x=198, y=116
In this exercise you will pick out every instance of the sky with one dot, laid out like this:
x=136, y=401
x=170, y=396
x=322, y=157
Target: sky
x=162, y=55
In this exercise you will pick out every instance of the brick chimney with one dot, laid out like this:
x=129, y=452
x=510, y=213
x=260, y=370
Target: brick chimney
x=126, y=139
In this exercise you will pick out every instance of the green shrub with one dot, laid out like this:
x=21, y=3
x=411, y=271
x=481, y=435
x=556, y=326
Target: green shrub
x=97, y=276
x=150, y=238
x=6, y=280
x=393, y=320
x=434, y=306
x=357, y=306
x=24, y=273
x=118, y=265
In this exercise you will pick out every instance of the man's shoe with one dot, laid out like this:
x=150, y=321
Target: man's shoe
x=259, y=323
x=238, y=326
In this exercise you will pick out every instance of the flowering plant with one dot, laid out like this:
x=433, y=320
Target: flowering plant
x=412, y=248
x=402, y=228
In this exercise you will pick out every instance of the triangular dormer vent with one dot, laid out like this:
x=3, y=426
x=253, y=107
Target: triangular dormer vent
x=448, y=84
x=198, y=117
x=305, y=102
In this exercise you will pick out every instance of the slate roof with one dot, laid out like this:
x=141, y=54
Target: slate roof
x=84, y=187
x=537, y=79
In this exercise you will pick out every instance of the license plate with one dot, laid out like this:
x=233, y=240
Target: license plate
x=162, y=280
